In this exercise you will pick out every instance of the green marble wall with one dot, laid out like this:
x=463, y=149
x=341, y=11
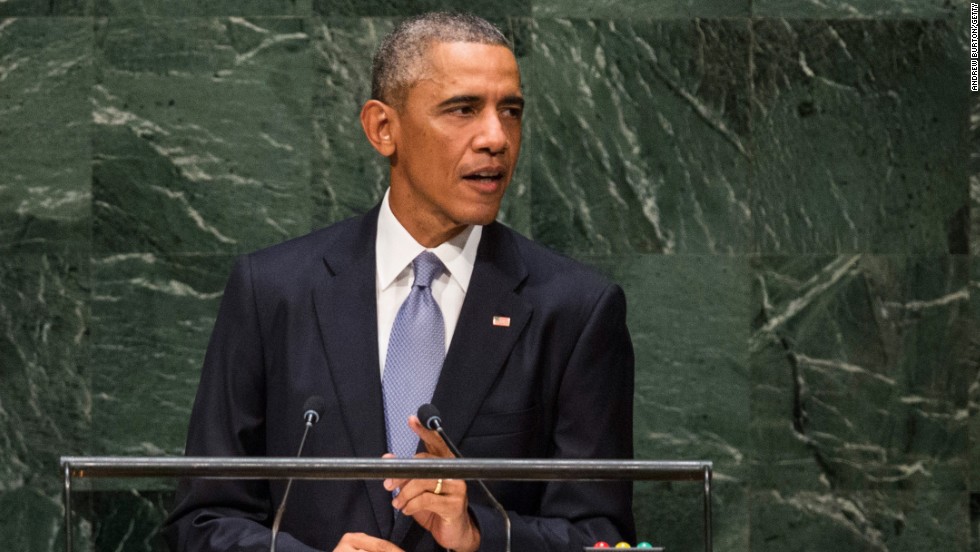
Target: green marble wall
x=783, y=187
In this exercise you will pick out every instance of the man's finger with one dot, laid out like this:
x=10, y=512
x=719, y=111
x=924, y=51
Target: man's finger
x=391, y=484
x=417, y=488
x=450, y=503
x=410, y=489
x=433, y=442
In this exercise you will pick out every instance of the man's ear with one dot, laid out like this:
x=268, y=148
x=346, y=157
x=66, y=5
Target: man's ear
x=379, y=121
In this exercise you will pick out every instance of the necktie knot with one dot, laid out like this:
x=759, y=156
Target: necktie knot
x=427, y=267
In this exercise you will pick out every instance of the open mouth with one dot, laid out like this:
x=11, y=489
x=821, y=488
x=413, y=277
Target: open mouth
x=485, y=176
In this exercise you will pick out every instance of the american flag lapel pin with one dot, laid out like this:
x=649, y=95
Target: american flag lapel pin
x=502, y=321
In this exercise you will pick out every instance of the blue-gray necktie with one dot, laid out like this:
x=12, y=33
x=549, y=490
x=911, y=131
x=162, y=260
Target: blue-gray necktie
x=416, y=351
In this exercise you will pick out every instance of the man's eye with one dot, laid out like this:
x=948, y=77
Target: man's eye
x=513, y=112
x=462, y=110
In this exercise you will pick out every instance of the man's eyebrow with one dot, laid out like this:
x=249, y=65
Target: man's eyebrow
x=456, y=100
x=465, y=99
x=513, y=100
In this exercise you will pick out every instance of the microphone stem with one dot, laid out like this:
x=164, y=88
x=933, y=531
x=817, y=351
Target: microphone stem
x=500, y=508
x=289, y=485
x=486, y=491
x=449, y=442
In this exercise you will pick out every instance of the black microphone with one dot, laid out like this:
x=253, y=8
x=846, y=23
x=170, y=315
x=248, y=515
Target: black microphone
x=429, y=416
x=313, y=407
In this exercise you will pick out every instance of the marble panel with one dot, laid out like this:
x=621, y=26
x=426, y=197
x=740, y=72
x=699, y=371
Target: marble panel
x=31, y=520
x=45, y=134
x=671, y=515
x=640, y=135
x=886, y=521
x=860, y=369
x=126, y=520
x=860, y=9
x=974, y=393
x=859, y=137
x=641, y=9
x=383, y=8
x=151, y=319
x=974, y=522
x=46, y=404
x=185, y=8
x=45, y=398
x=687, y=317
x=202, y=134
x=975, y=175
x=22, y=8
x=349, y=176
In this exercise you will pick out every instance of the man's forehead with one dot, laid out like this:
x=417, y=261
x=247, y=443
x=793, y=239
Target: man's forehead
x=466, y=54
x=453, y=69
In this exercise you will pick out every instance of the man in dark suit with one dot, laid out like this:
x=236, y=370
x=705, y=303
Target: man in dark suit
x=537, y=358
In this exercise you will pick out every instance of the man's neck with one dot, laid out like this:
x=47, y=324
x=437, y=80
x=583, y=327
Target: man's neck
x=429, y=236
x=427, y=229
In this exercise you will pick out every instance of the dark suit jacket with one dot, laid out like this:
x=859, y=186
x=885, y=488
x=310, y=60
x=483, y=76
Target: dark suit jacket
x=299, y=319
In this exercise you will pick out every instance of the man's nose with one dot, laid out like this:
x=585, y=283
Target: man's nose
x=492, y=136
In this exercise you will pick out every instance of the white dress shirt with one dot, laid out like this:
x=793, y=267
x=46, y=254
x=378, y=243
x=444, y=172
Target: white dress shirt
x=395, y=249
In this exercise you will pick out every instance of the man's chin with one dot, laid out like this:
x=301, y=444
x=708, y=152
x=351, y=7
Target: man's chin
x=482, y=217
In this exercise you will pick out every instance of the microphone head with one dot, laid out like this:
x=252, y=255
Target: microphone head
x=312, y=408
x=429, y=416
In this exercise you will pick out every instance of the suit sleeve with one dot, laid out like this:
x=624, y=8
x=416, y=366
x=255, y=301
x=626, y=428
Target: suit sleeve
x=594, y=421
x=228, y=419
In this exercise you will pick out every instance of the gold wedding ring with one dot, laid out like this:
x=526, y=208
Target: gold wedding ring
x=438, y=487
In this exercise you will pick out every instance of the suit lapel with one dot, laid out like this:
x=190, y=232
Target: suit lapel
x=480, y=346
x=346, y=311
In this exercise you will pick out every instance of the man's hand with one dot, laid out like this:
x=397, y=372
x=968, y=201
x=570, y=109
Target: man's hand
x=359, y=542
x=445, y=513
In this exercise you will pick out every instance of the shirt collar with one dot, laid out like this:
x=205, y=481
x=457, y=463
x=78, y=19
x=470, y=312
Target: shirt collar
x=395, y=249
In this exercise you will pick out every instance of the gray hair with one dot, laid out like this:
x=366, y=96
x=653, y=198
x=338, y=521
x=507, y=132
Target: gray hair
x=399, y=61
